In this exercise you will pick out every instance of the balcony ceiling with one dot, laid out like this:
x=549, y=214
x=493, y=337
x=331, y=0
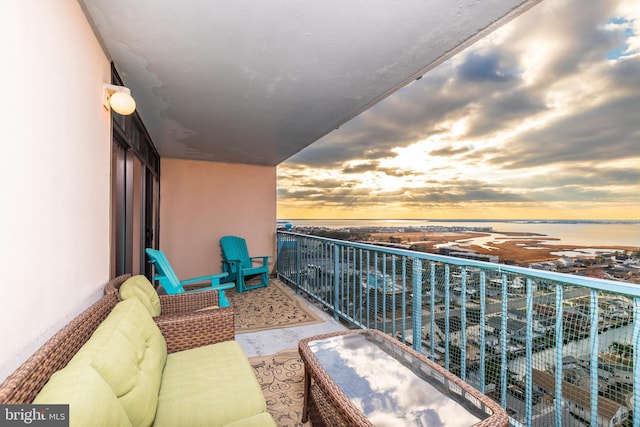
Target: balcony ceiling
x=256, y=81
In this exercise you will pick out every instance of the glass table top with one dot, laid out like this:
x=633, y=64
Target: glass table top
x=388, y=390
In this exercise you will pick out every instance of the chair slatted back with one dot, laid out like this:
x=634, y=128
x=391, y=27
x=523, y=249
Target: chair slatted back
x=234, y=248
x=164, y=272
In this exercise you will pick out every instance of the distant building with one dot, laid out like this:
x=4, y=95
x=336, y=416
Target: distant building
x=565, y=261
x=541, y=324
x=516, y=330
x=577, y=401
x=459, y=252
x=545, y=265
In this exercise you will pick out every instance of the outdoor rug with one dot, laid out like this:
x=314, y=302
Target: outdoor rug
x=281, y=377
x=272, y=307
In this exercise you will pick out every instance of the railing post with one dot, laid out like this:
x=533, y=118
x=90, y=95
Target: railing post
x=336, y=280
x=404, y=298
x=636, y=360
x=279, y=260
x=463, y=325
x=416, y=311
x=432, y=319
x=483, y=314
x=594, y=354
x=559, y=343
x=359, y=286
x=529, y=351
x=368, y=296
x=375, y=290
x=384, y=293
x=447, y=314
x=393, y=296
x=298, y=263
x=503, y=343
x=356, y=284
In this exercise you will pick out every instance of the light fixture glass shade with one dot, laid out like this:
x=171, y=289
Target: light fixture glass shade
x=122, y=103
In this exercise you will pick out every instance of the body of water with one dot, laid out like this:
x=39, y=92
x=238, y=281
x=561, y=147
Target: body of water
x=579, y=233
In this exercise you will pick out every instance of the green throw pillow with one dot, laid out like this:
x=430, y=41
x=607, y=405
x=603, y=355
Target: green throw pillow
x=91, y=400
x=139, y=287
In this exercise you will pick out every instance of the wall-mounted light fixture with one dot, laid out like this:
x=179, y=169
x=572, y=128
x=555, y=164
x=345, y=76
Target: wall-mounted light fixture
x=118, y=99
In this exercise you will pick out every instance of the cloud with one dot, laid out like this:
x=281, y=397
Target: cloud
x=504, y=109
x=363, y=167
x=608, y=132
x=584, y=177
x=450, y=151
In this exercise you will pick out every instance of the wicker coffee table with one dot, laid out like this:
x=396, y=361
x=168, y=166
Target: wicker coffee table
x=366, y=378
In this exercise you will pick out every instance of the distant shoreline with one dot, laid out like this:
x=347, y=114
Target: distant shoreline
x=546, y=221
x=522, y=221
x=588, y=233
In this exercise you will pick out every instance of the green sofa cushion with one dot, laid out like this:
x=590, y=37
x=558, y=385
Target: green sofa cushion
x=208, y=386
x=139, y=287
x=91, y=400
x=129, y=352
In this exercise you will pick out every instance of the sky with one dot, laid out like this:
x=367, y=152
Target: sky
x=538, y=120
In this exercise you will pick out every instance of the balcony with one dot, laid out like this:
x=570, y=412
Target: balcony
x=524, y=337
x=263, y=98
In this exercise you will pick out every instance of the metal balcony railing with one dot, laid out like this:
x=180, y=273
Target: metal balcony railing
x=551, y=348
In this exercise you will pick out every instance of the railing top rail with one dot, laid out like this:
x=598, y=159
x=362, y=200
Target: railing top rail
x=629, y=289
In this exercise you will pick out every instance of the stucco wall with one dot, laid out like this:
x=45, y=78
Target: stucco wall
x=54, y=172
x=202, y=201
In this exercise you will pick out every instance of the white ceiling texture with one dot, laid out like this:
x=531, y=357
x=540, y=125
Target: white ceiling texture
x=256, y=81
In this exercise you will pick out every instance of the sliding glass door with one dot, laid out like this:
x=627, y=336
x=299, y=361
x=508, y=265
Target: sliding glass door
x=135, y=189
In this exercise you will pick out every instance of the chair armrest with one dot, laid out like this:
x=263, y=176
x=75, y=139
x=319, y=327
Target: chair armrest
x=185, y=331
x=224, y=301
x=265, y=259
x=215, y=279
x=188, y=302
x=219, y=287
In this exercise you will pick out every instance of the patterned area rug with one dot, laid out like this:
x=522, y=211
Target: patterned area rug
x=272, y=307
x=282, y=379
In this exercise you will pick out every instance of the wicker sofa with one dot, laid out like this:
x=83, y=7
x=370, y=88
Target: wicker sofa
x=177, y=315
x=116, y=365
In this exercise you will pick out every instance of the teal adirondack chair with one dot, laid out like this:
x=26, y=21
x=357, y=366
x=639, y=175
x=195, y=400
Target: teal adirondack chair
x=240, y=266
x=170, y=283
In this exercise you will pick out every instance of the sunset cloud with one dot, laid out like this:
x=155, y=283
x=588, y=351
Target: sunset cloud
x=540, y=117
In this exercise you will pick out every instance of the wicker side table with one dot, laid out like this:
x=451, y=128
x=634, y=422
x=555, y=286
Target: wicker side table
x=349, y=381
